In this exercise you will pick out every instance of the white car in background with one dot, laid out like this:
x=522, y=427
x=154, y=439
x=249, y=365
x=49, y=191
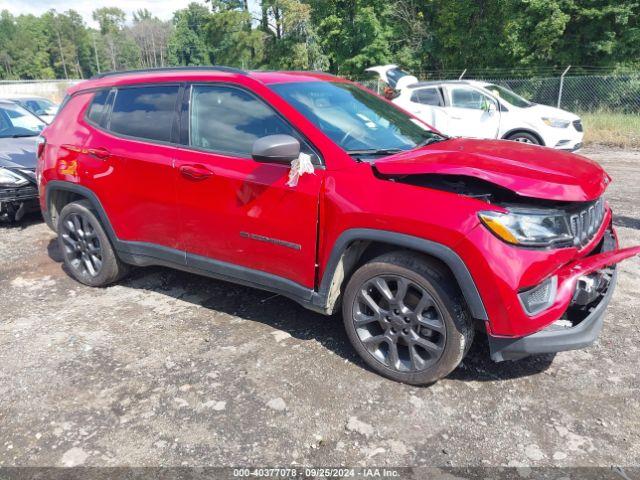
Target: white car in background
x=471, y=108
x=42, y=107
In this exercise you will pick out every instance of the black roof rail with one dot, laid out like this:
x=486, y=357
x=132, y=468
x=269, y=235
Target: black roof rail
x=217, y=68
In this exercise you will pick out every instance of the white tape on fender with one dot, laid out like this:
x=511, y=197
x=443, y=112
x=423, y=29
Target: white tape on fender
x=299, y=166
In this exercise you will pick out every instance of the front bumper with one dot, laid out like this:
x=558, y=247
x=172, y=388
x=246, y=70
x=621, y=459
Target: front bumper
x=555, y=338
x=569, y=139
x=15, y=202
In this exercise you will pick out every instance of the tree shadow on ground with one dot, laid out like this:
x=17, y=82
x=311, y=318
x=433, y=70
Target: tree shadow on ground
x=286, y=315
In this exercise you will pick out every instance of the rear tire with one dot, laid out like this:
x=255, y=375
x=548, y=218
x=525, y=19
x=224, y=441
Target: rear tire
x=524, y=137
x=406, y=318
x=88, y=254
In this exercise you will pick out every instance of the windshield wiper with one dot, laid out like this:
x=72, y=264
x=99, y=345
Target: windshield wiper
x=431, y=140
x=20, y=135
x=375, y=152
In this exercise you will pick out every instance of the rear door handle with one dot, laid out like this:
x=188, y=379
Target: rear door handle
x=100, y=152
x=195, y=172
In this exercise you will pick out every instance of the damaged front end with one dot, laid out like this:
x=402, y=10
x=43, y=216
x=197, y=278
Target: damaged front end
x=553, y=271
x=585, y=287
x=18, y=193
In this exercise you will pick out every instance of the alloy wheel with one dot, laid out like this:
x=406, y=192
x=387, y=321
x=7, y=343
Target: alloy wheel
x=399, y=323
x=82, y=245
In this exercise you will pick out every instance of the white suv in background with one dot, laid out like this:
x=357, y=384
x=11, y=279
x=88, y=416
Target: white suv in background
x=470, y=108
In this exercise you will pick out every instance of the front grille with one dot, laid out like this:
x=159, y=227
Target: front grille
x=585, y=223
x=577, y=124
x=19, y=193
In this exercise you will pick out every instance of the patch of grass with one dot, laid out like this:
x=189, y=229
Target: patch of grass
x=611, y=129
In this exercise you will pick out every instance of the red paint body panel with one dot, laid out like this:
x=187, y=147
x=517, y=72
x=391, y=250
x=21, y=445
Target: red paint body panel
x=221, y=215
x=224, y=208
x=138, y=186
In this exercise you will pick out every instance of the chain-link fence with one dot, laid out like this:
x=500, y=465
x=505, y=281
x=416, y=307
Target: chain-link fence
x=585, y=93
x=616, y=93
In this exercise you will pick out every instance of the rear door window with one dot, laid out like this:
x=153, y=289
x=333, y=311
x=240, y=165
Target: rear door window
x=427, y=96
x=145, y=112
x=465, y=97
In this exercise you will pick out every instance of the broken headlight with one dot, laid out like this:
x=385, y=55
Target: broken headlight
x=11, y=179
x=531, y=228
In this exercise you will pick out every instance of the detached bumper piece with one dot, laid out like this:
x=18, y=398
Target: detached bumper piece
x=18, y=201
x=578, y=328
x=586, y=286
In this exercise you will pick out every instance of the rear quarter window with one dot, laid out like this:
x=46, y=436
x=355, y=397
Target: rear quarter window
x=144, y=112
x=97, y=107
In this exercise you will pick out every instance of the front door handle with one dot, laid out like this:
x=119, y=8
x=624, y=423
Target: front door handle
x=100, y=152
x=195, y=172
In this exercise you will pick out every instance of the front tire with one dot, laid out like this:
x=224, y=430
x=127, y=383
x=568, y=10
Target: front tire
x=406, y=318
x=524, y=137
x=88, y=254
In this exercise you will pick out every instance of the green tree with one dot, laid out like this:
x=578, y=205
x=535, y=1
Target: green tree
x=188, y=41
x=292, y=41
x=117, y=42
x=25, y=53
x=231, y=41
x=110, y=19
x=354, y=34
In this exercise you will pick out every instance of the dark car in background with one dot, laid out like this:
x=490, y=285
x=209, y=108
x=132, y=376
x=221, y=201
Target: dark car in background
x=19, y=133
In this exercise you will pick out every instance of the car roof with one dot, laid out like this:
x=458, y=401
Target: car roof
x=198, y=74
x=431, y=83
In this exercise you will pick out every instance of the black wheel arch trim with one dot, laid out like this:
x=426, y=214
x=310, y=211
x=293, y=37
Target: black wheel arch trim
x=524, y=130
x=60, y=185
x=437, y=250
x=141, y=253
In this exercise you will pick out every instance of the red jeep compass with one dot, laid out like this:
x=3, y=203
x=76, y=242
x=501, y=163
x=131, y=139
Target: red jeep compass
x=419, y=238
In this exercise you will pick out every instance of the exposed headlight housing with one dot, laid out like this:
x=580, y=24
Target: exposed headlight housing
x=575, y=225
x=556, y=122
x=11, y=179
x=529, y=227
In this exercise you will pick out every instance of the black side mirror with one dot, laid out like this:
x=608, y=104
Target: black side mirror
x=276, y=149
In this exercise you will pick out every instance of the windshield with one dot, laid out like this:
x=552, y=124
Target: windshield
x=16, y=121
x=358, y=121
x=508, y=95
x=39, y=106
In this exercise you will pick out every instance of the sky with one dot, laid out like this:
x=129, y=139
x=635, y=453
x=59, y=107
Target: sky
x=162, y=9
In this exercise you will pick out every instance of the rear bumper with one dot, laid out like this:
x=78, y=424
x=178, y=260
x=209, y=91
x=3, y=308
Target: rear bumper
x=555, y=338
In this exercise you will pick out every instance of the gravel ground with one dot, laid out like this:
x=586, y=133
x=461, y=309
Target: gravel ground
x=169, y=368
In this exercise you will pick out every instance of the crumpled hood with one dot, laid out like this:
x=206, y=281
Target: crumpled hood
x=18, y=152
x=527, y=170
